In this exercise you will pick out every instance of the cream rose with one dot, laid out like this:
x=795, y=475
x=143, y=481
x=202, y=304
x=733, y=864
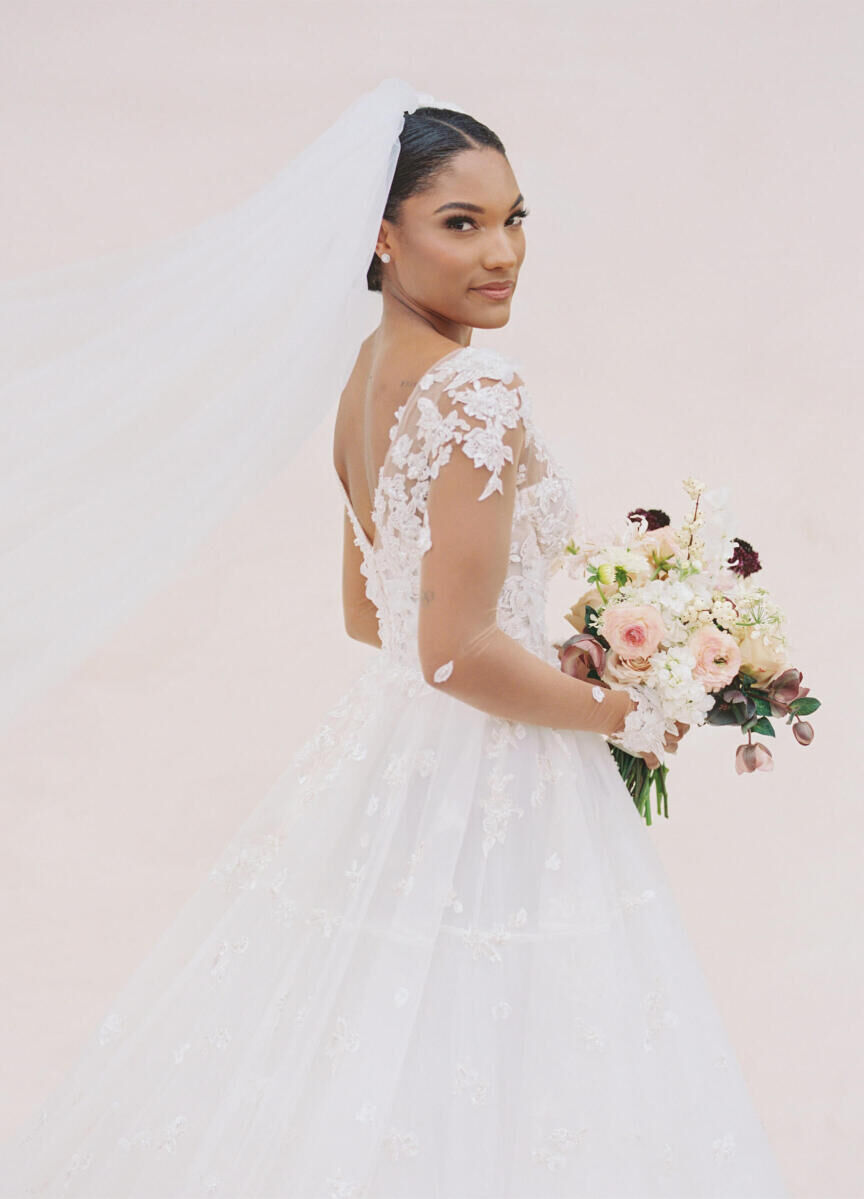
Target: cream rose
x=659, y=544
x=624, y=670
x=576, y=615
x=717, y=656
x=762, y=657
x=633, y=630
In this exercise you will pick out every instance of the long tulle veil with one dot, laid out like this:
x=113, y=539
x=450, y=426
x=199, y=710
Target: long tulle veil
x=144, y=397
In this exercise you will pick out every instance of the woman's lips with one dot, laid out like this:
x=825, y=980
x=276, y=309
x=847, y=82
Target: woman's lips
x=500, y=291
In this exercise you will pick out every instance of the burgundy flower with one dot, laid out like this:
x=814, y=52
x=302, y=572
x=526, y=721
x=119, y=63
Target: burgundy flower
x=579, y=653
x=783, y=690
x=787, y=686
x=656, y=517
x=744, y=560
x=754, y=756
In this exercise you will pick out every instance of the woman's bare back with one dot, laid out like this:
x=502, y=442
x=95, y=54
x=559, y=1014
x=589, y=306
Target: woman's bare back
x=382, y=379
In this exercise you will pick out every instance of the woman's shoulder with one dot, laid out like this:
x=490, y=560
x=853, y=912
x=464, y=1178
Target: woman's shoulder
x=470, y=365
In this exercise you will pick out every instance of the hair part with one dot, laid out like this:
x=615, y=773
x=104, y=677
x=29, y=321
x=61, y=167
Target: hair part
x=430, y=138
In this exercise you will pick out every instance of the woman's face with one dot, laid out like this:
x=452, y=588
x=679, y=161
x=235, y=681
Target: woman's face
x=464, y=233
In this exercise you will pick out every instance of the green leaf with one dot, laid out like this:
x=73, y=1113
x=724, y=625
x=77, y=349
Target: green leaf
x=804, y=705
x=764, y=726
x=763, y=707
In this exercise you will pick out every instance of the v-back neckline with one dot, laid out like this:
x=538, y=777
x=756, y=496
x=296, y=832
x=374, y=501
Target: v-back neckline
x=399, y=418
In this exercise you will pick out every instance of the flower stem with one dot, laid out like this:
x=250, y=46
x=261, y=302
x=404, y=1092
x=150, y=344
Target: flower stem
x=639, y=780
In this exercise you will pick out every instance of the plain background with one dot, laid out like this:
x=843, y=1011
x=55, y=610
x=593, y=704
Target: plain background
x=690, y=303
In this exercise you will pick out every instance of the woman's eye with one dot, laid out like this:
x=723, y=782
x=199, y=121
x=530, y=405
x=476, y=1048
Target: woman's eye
x=454, y=222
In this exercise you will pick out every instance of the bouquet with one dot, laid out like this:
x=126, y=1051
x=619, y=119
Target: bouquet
x=674, y=617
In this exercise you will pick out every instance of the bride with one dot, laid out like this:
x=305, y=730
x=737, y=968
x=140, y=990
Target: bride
x=441, y=959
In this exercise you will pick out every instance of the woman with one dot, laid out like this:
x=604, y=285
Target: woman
x=439, y=280
x=442, y=958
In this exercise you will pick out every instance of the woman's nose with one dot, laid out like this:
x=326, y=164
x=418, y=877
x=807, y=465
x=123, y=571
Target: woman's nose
x=500, y=253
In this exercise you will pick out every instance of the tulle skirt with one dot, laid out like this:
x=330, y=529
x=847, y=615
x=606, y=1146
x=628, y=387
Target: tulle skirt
x=440, y=960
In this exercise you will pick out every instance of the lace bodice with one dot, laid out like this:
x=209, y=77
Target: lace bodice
x=464, y=404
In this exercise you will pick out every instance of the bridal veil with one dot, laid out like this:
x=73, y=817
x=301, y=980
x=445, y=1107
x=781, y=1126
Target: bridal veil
x=144, y=395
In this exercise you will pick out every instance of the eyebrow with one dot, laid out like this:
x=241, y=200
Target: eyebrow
x=475, y=207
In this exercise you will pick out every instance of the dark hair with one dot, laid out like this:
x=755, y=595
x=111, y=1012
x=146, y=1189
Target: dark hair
x=430, y=138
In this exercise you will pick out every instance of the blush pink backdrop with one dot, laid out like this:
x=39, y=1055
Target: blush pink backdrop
x=690, y=303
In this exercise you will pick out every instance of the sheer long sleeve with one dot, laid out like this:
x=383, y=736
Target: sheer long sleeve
x=474, y=446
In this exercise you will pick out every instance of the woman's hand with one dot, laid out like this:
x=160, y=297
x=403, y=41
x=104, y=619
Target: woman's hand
x=670, y=739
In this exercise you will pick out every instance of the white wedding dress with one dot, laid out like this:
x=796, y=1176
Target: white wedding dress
x=440, y=960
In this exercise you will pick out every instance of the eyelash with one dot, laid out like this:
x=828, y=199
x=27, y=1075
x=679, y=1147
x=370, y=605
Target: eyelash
x=453, y=221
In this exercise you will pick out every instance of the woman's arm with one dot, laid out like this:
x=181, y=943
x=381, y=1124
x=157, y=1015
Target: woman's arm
x=361, y=615
x=462, y=649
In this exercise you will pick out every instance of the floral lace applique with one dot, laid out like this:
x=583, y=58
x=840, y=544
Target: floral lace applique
x=552, y=1151
x=659, y=1019
x=468, y=1081
x=631, y=901
x=484, y=943
x=343, y=1040
x=401, y=1144
x=406, y=884
x=341, y=1187
x=498, y=808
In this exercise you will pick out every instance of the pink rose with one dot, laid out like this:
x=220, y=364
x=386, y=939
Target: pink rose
x=717, y=656
x=633, y=630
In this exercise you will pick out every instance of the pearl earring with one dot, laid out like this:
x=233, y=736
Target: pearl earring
x=385, y=257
